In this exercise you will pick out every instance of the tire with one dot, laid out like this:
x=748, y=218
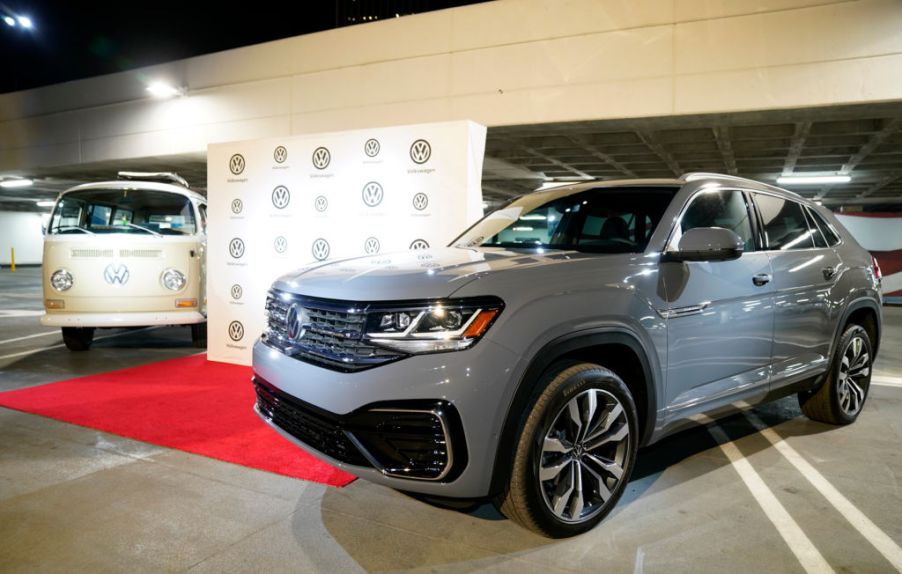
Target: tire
x=199, y=335
x=78, y=338
x=562, y=506
x=840, y=399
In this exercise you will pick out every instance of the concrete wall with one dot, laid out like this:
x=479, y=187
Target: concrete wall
x=23, y=232
x=500, y=63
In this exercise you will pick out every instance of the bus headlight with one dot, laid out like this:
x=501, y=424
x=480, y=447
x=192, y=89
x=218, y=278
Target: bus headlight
x=61, y=280
x=173, y=280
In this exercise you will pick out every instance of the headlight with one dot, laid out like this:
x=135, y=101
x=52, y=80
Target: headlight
x=173, y=280
x=61, y=280
x=432, y=327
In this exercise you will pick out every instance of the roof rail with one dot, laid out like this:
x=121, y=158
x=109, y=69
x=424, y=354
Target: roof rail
x=160, y=176
x=692, y=176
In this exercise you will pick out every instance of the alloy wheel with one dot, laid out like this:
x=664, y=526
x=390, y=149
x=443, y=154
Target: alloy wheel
x=854, y=376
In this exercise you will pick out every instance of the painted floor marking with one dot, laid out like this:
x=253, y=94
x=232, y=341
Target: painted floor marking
x=871, y=532
x=30, y=337
x=886, y=381
x=807, y=554
x=33, y=351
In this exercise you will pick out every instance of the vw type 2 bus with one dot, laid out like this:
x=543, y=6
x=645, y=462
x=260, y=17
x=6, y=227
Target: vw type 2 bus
x=126, y=253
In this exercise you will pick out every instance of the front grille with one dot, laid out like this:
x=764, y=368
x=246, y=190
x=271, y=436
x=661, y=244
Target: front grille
x=92, y=253
x=332, y=333
x=140, y=253
x=308, y=426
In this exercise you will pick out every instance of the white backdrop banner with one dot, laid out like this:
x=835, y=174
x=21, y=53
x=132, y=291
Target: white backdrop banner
x=277, y=204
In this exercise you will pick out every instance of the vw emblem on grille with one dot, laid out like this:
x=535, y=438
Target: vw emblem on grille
x=372, y=194
x=280, y=244
x=420, y=151
x=321, y=203
x=371, y=147
x=295, y=323
x=281, y=197
x=236, y=164
x=371, y=245
x=236, y=248
x=420, y=201
x=237, y=206
x=419, y=244
x=321, y=158
x=236, y=291
x=236, y=331
x=320, y=249
x=115, y=274
x=280, y=154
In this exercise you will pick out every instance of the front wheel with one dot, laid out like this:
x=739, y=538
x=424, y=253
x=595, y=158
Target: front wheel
x=575, y=453
x=840, y=399
x=199, y=335
x=78, y=338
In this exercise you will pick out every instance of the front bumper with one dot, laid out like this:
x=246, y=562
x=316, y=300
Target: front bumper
x=474, y=384
x=145, y=319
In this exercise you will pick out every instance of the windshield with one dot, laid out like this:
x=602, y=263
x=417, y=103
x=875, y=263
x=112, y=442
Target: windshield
x=601, y=220
x=133, y=211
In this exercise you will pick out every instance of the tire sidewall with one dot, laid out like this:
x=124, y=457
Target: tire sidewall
x=848, y=335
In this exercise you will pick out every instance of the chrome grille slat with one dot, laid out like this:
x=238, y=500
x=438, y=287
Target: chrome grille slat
x=333, y=337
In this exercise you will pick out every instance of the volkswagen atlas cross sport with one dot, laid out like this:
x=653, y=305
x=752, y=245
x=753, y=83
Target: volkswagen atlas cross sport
x=531, y=359
x=126, y=253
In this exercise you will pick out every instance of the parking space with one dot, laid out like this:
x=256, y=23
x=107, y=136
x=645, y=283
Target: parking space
x=764, y=490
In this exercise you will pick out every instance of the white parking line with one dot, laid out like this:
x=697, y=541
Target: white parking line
x=33, y=351
x=871, y=532
x=886, y=381
x=807, y=554
x=48, y=333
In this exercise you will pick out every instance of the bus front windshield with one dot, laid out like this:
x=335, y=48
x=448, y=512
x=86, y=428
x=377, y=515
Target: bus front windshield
x=133, y=211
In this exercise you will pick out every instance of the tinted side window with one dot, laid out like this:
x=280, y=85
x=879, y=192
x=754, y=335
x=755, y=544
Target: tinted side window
x=784, y=223
x=722, y=208
x=816, y=233
x=829, y=233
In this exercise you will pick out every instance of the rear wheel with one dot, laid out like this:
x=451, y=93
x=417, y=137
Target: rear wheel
x=199, y=335
x=840, y=399
x=78, y=338
x=575, y=453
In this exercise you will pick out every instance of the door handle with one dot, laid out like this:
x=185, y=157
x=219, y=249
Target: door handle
x=828, y=272
x=761, y=279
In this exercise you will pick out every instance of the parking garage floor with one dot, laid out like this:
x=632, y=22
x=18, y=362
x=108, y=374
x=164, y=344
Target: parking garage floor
x=765, y=490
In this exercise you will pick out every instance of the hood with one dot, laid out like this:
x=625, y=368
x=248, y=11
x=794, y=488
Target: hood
x=426, y=274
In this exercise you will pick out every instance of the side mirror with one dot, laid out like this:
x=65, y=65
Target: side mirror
x=707, y=244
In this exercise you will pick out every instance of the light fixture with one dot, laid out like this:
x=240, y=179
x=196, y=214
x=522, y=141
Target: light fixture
x=48, y=203
x=10, y=21
x=13, y=183
x=812, y=179
x=163, y=90
x=25, y=22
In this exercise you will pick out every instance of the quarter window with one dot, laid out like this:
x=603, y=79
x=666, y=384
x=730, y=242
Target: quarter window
x=829, y=234
x=784, y=223
x=726, y=208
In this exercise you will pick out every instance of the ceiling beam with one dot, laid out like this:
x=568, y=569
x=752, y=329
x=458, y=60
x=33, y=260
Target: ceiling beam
x=880, y=184
x=873, y=143
x=722, y=137
x=652, y=143
x=536, y=153
x=595, y=152
x=795, y=147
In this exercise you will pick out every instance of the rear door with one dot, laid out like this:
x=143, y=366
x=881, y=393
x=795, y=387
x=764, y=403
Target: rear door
x=805, y=270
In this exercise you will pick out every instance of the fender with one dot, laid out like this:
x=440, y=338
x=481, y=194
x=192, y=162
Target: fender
x=855, y=305
x=527, y=389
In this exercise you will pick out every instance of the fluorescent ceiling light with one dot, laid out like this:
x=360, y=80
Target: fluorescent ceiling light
x=11, y=183
x=25, y=22
x=162, y=90
x=10, y=21
x=49, y=203
x=813, y=179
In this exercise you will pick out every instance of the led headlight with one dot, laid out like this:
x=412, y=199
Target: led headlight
x=173, y=280
x=451, y=325
x=61, y=280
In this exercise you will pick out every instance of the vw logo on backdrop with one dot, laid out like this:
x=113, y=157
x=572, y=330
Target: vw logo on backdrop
x=419, y=244
x=236, y=248
x=280, y=154
x=280, y=244
x=320, y=249
x=295, y=322
x=371, y=245
x=280, y=197
x=321, y=158
x=236, y=331
x=420, y=201
x=236, y=164
x=372, y=194
x=115, y=274
x=420, y=151
x=237, y=206
x=371, y=147
x=236, y=291
x=321, y=203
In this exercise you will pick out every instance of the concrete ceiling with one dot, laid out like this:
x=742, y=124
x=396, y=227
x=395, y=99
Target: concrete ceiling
x=864, y=142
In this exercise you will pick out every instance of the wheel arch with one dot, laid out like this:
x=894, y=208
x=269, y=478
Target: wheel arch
x=585, y=346
x=865, y=312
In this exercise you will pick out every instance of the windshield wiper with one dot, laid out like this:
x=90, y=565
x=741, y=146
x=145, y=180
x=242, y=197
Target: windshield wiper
x=151, y=231
x=82, y=229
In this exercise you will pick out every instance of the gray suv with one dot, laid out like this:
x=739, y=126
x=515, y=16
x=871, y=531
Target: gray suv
x=531, y=359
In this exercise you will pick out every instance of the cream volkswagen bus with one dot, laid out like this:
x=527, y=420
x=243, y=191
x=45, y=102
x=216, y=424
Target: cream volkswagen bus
x=126, y=253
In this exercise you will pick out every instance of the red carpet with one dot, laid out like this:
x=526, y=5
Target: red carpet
x=188, y=404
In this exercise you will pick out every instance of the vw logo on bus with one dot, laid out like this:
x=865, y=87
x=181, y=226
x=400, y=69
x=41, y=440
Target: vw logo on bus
x=115, y=274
